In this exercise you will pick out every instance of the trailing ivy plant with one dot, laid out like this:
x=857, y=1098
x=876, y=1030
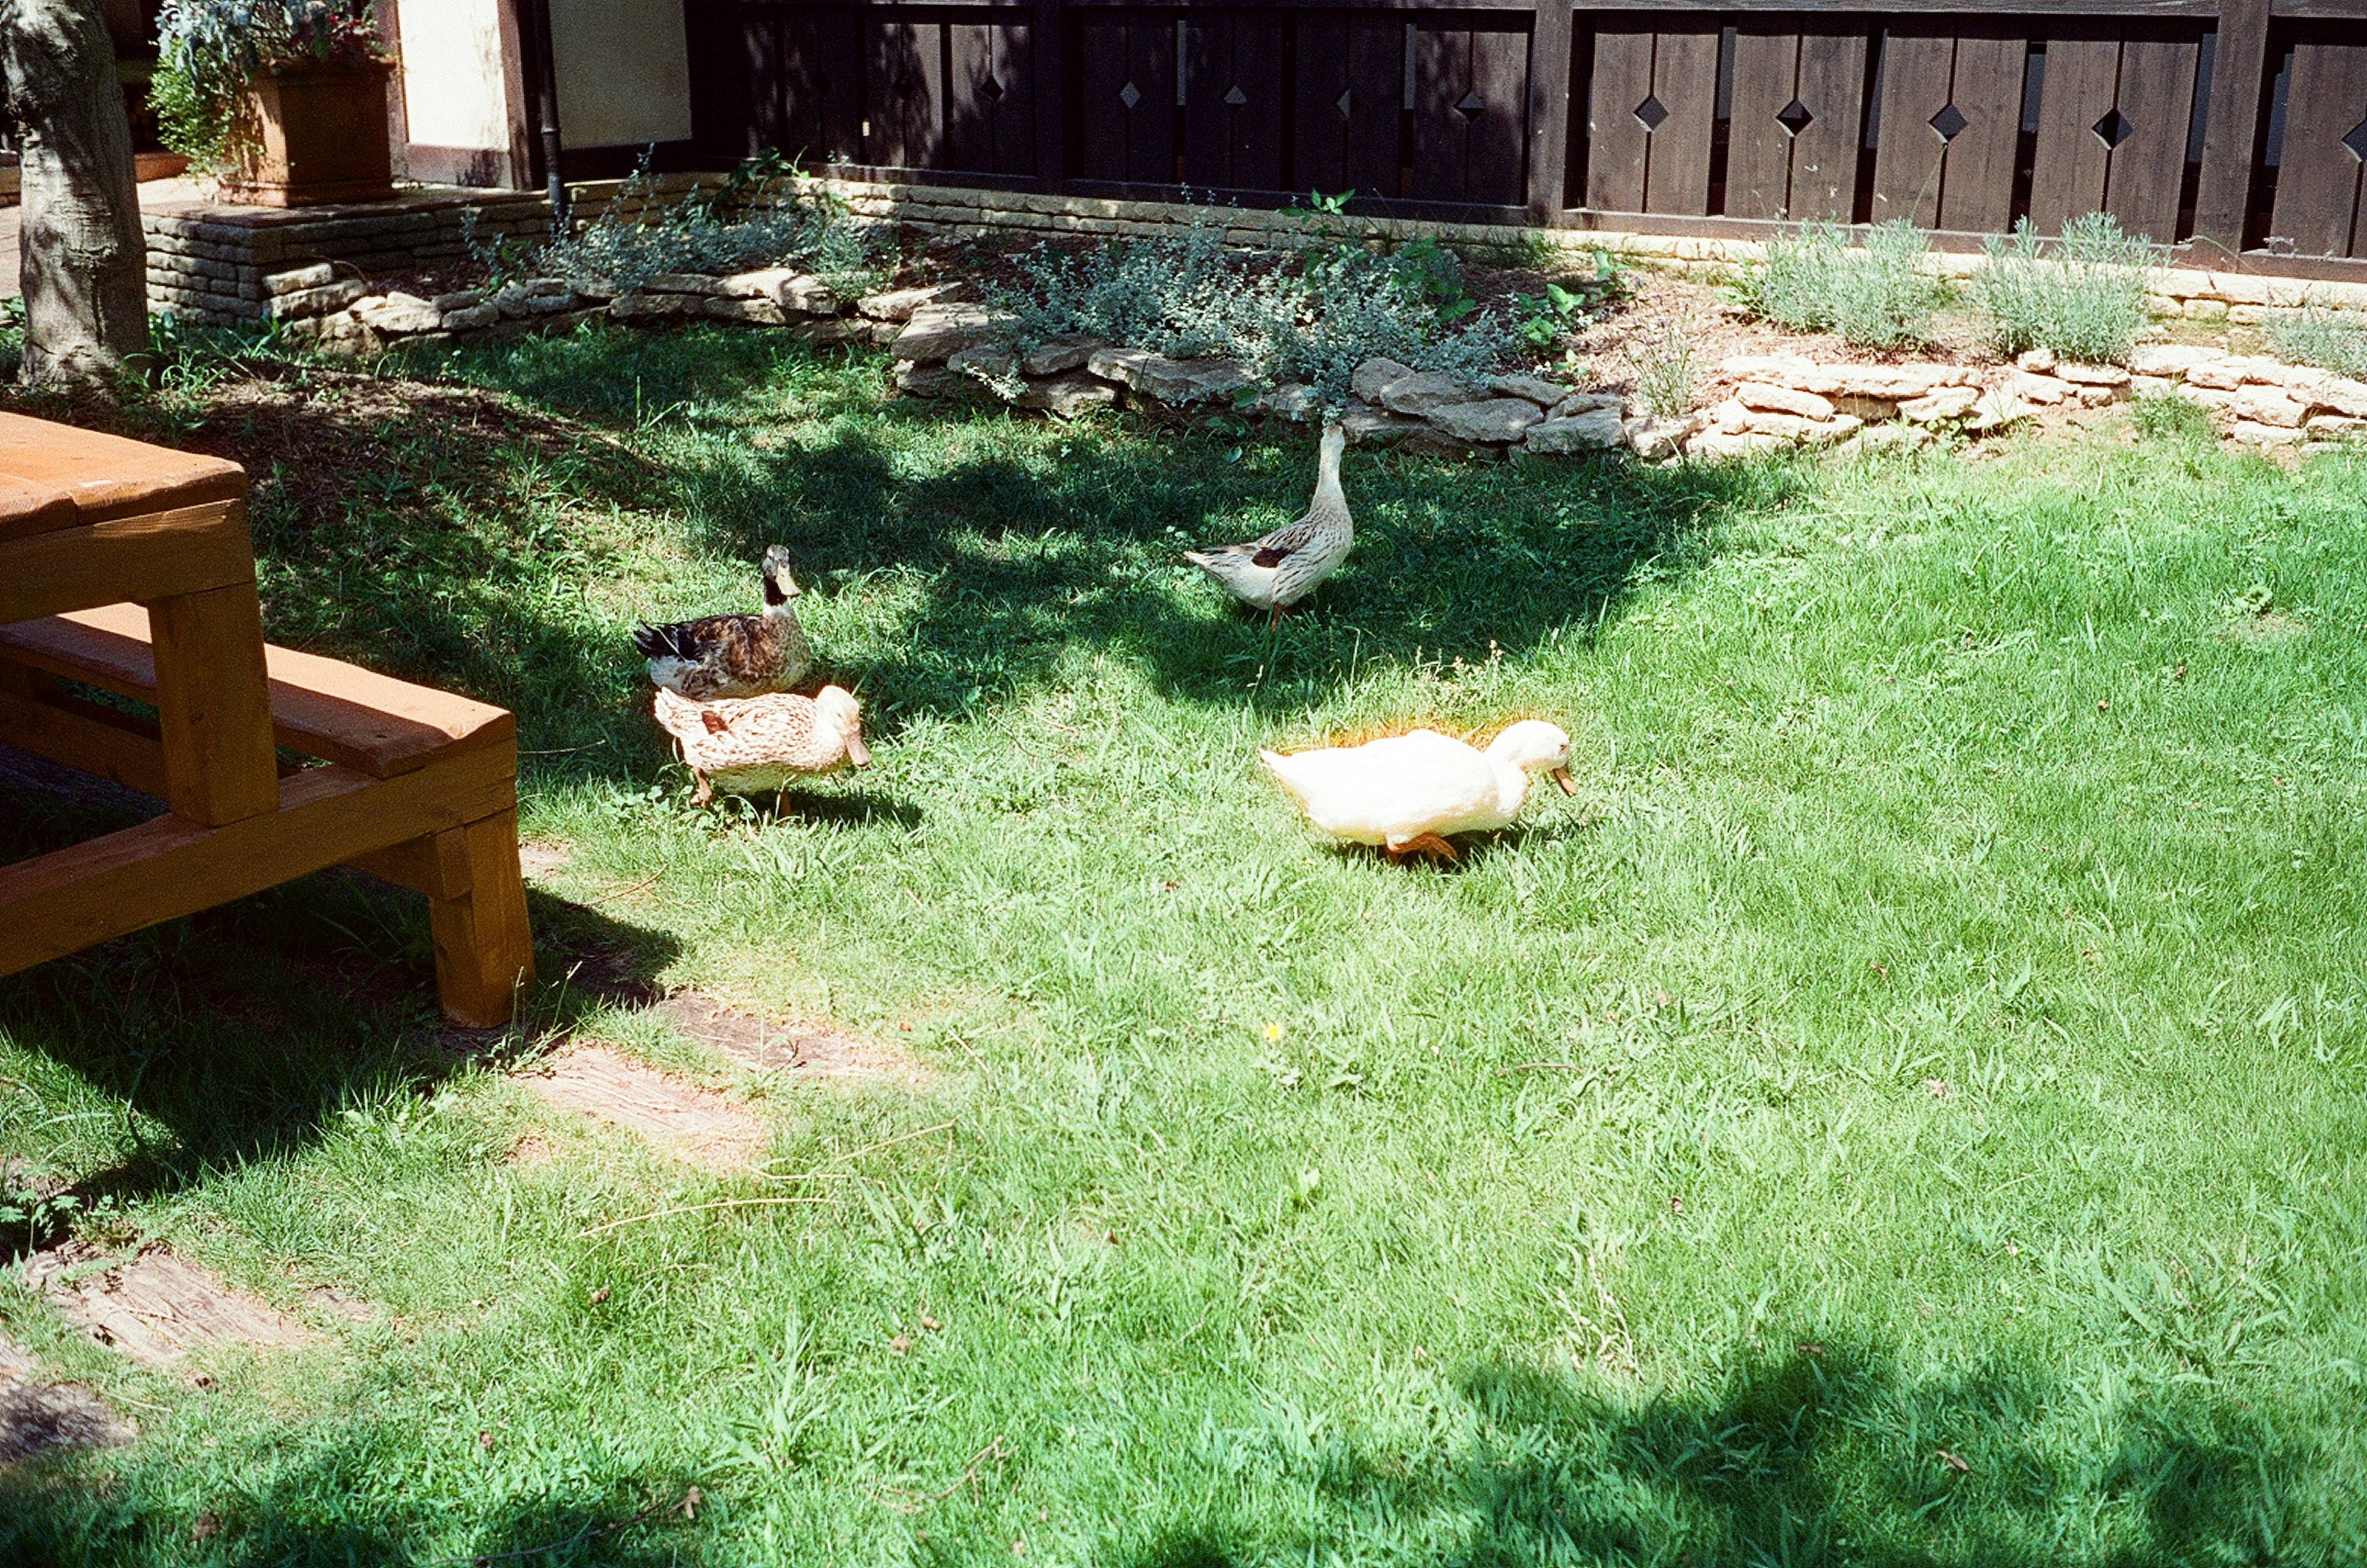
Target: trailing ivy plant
x=207, y=50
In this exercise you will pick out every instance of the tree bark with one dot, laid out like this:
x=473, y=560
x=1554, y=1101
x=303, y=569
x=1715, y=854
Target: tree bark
x=82, y=262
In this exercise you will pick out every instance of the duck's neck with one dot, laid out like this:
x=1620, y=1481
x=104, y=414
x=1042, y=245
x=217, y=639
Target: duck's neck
x=1326, y=475
x=1512, y=786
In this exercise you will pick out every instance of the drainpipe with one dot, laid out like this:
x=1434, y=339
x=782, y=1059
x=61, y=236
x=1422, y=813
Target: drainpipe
x=536, y=25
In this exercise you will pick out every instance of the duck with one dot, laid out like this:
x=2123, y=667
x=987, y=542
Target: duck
x=1278, y=570
x=747, y=744
x=1406, y=794
x=734, y=656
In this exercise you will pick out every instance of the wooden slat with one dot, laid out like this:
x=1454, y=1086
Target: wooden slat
x=904, y=94
x=108, y=476
x=320, y=707
x=838, y=82
x=1918, y=63
x=735, y=55
x=213, y=708
x=1150, y=125
x=1048, y=107
x=184, y=550
x=27, y=508
x=2083, y=73
x=1759, y=150
x=1233, y=146
x=1102, y=115
x=1318, y=131
x=2156, y=96
x=1976, y=181
x=484, y=949
x=83, y=735
x=1442, y=68
x=1684, y=78
x=1549, y=69
x=1377, y=102
x=992, y=132
x=2231, y=127
x=1615, y=139
x=1497, y=136
x=1832, y=89
x=71, y=898
x=2317, y=176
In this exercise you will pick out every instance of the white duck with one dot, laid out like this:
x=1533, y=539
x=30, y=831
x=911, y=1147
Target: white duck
x=1406, y=794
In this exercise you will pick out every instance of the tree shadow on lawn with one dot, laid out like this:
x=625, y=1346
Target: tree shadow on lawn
x=1830, y=1455
x=244, y=1030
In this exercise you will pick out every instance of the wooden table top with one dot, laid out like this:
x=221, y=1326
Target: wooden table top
x=56, y=475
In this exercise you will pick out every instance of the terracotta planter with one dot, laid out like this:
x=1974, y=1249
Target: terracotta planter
x=316, y=133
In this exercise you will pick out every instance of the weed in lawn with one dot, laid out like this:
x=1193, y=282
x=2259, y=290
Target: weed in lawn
x=1584, y=1203
x=2161, y=417
x=2081, y=295
x=1877, y=295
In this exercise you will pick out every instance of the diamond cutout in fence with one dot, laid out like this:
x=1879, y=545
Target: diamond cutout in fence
x=1794, y=117
x=1236, y=97
x=2357, y=142
x=1129, y=94
x=989, y=89
x=1652, y=111
x=1470, y=106
x=1949, y=123
x=2113, y=129
x=1343, y=105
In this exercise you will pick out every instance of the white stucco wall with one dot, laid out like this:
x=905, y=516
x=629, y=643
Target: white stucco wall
x=624, y=71
x=454, y=91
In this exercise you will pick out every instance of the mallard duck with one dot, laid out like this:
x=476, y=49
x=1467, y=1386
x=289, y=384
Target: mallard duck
x=1276, y=572
x=1406, y=794
x=747, y=744
x=734, y=656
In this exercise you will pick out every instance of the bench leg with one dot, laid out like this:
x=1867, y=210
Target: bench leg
x=484, y=952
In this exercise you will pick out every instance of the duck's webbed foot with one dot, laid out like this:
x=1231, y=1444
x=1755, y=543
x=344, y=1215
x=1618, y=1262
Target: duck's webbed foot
x=1429, y=844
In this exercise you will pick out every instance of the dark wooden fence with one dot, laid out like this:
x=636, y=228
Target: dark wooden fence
x=2239, y=125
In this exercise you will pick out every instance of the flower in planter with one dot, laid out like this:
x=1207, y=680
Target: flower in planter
x=210, y=50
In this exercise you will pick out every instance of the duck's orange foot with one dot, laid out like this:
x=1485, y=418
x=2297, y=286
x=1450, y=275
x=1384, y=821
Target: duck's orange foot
x=1429, y=844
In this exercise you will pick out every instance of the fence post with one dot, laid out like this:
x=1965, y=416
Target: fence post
x=2239, y=63
x=1051, y=105
x=1549, y=40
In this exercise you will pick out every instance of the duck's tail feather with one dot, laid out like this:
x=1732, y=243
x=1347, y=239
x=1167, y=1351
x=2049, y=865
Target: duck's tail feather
x=662, y=642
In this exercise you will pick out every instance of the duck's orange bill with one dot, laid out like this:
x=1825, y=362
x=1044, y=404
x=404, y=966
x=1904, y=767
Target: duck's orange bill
x=1561, y=777
x=857, y=752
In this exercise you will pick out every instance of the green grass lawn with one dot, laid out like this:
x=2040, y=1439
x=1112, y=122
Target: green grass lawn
x=1905, y=1109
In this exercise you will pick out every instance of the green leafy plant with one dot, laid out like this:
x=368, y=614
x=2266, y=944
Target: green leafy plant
x=1876, y=296
x=1544, y=318
x=2082, y=296
x=207, y=50
x=2161, y=417
x=2331, y=340
x=1613, y=278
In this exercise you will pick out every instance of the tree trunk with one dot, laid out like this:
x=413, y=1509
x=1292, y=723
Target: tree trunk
x=84, y=265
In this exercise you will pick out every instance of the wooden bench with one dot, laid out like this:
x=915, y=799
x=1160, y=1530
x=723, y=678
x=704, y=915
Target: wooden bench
x=413, y=785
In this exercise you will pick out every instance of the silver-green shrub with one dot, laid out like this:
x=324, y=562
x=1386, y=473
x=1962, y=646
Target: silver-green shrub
x=765, y=216
x=1812, y=281
x=2082, y=297
x=2330, y=340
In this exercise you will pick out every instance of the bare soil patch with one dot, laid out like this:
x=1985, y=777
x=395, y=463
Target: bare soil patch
x=755, y=1042
x=541, y=859
x=682, y=1121
x=153, y=1306
x=36, y=1416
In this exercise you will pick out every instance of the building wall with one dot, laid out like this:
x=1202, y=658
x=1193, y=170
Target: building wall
x=462, y=92
x=623, y=68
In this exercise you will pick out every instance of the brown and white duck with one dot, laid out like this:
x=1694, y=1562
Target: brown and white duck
x=734, y=656
x=748, y=745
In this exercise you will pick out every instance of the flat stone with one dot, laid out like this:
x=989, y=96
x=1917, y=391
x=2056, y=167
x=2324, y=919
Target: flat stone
x=322, y=302
x=1578, y=403
x=1596, y=430
x=2037, y=389
x=472, y=318
x=511, y=298
x=2169, y=358
x=1184, y=383
x=807, y=294
x=1363, y=422
x=1431, y=442
x=1871, y=409
x=682, y=283
x=1769, y=397
x=1724, y=445
x=2327, y=426
x=1901, y=383
x=1058, y=354
x=397, y=313
x=933, y=381
x=1067, y=395
x=1536, y=388
x=763, y=283
x=552, y=304
x=1655, y=439
x=551, y=288
x=2252, y=434
x=760, y=312
x=2205, y=396
x=1426, y=391
x=2341, y=394
x=830, y=330
x=2081, y=375
x=1784, y=371
x=2037, y=361
x=1293, y=402
x=1946, y=402
x=897, y=304
x=937, y=333
x=2223, y=375
x=458, y=300
x=2099, y=397
x=2270, y=405
x=1994, y=412
x=1374, y=375
x=2143, y=386
x=299, y=278
x=1893, y=439
x=1495, y=420
x=989, y=359
x=650, y=307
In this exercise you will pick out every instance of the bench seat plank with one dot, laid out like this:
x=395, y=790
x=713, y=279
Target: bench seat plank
x=320, y=707
x=108, y=476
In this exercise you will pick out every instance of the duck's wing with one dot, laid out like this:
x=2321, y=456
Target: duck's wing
x=687, y=640
x=1386, y=789
x=1284, y=542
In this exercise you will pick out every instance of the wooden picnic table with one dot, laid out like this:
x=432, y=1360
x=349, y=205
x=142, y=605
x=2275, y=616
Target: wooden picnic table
x=127, y=568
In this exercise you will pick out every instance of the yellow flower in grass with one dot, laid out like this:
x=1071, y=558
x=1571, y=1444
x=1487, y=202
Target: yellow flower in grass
x=1272, y=1032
